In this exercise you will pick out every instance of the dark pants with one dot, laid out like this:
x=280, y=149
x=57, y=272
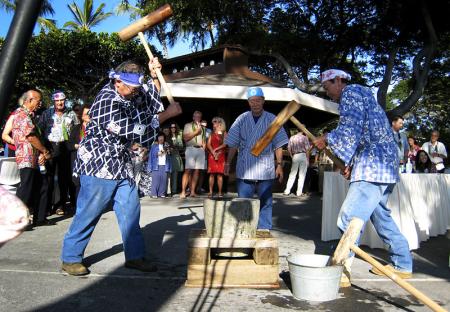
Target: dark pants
x=159, y=182
x=32, y=191
x=60, y=165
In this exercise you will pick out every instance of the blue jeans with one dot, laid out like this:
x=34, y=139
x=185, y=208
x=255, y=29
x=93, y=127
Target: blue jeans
x=246, y=189
x=366, y=200
x=95, y=195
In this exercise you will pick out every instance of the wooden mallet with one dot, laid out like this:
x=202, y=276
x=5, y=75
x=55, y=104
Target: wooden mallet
x=347, y=243
x=143, y=24
x=287, y=113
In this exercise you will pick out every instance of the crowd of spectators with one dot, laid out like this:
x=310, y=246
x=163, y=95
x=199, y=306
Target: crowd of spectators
x=45, y=143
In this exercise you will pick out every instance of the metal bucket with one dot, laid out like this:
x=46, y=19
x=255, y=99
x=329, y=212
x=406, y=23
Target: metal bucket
x=312, y=279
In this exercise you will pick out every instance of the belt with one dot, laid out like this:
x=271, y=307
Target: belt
x=299, y=153
x=196, y=146
x=57, y=143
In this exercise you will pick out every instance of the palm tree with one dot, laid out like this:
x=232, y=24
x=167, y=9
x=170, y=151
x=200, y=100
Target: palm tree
x=85, y=19
x=47, y=9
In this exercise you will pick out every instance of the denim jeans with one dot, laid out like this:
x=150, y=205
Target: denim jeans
x=246, y=189
x=95, y=195
x=366, y=200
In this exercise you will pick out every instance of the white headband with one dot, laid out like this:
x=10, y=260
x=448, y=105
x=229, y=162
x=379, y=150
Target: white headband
x=333, y=73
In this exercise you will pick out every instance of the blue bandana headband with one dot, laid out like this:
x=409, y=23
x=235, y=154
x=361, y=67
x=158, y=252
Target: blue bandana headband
x=131, y=79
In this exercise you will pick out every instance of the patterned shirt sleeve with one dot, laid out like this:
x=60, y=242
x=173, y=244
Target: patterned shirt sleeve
x=344, y=140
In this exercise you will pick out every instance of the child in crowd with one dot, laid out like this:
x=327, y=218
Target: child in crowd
x=159, y=164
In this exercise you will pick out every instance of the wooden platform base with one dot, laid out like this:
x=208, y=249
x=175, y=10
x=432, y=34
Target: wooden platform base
x=258, y=270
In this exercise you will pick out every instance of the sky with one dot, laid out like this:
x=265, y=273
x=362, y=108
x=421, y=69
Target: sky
x=112, y=24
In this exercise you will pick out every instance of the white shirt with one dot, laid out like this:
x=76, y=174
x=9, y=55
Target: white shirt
x=438, y=147
x=161, y=156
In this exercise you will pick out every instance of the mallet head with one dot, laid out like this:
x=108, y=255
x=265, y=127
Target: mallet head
x=146, y=22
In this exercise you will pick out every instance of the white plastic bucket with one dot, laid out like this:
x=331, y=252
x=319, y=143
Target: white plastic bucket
x=312, y=279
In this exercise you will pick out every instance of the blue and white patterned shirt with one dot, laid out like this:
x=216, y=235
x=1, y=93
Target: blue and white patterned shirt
x=364, y=138
x=115, y=123
x=243, y=134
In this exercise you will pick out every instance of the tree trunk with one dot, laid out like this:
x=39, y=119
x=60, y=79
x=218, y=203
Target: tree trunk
x=420, y=71
x=295, y=80
x=382, y=90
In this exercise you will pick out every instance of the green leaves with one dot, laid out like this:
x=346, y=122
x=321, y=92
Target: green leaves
x=76, y=62
x=86, y=18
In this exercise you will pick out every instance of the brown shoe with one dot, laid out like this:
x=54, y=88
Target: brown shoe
x=141, y=265
x=76, y=269
x=59, y=212
x=402, y=274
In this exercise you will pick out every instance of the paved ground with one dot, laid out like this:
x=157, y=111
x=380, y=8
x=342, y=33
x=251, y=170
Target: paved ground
x=30, y=277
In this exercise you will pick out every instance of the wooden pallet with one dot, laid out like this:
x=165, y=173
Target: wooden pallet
x=205, y=269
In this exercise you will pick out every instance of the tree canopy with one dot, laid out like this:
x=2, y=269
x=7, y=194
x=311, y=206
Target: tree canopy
x=383, y=44
x=76, y=62
x=378, y=42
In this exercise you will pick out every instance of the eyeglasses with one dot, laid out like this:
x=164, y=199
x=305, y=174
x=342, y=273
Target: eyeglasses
x=131, y=89
x=216, y=121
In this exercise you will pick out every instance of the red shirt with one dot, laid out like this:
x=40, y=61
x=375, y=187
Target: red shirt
x=26, y=154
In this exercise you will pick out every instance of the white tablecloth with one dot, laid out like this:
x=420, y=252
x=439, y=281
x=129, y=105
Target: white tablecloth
x=9, y=173
x=420, y=205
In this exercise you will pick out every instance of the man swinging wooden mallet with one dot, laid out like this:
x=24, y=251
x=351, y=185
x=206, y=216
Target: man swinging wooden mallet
x=349, y=149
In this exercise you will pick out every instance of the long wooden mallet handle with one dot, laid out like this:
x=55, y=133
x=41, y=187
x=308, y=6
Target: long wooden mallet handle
x=398, y=280
x=347, y=242
x=337, y=162
x=274, y=127
x=158, y=72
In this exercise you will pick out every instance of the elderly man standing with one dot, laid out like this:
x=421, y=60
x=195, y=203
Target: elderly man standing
x=56, y=123
x=364, y=140
x=194, y=136
x=437, y=152
x=256, y=173
x=124, y=111
x=30, y=151
x=298, y=149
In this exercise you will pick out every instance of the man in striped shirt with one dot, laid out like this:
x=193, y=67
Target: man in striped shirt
x=256, y=173
x=298, y=148
x=365, y=142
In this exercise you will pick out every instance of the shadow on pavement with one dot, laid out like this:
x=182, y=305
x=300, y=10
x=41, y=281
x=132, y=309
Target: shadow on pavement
x=129, y=290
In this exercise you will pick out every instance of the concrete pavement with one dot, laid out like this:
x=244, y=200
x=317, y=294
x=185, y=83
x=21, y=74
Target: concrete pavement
x=30, y=277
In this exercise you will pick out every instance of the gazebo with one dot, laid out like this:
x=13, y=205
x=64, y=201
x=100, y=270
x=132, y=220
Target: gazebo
x=215, y=81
